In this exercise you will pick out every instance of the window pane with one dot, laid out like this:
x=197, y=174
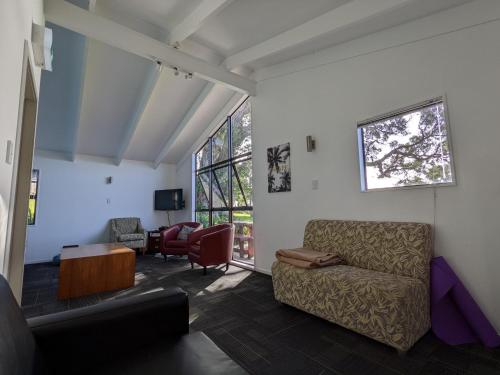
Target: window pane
x=219, y=217
x=243, y=249
x=33, y=198
x=202, y=191
x=220, y=148
x=203, y=157
x=203, y=217
x=407, y=150
x=242, y=184
x=220, y=188
x=241, y=122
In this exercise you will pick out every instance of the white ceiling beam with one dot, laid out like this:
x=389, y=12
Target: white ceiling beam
x=93, y=26
x=183, y=124
x=74, y=144
x=334, y=20
x=143, y=100
x=187, y=27
x=195, y=19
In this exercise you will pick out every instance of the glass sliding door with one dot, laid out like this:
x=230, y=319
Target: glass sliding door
x=223, y=180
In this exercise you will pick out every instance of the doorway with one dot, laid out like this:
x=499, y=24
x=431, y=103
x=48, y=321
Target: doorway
x=21, y=178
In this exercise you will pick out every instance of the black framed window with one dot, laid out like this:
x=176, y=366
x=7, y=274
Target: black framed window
x=33, y=199
x=223, y=178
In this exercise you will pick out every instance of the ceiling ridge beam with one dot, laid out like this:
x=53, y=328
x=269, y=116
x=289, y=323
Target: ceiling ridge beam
x=93, y=26
x=146, y=93
x=336, y=19
x=172, y=139
x=195, y=19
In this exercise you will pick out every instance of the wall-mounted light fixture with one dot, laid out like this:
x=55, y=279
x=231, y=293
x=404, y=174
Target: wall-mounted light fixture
x=109, y=180
x=311, y=143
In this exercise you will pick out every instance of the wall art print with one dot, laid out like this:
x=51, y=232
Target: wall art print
x=278, y=169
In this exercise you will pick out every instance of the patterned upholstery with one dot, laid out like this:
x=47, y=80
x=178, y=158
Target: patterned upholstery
x=382, y=292
x=129, y=232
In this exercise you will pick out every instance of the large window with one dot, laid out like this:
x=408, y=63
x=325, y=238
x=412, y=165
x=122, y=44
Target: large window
x=33, y=200
x=408, y=147
x=223, y=179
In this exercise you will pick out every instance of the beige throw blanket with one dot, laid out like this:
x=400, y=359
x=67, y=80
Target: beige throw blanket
x=306, y=258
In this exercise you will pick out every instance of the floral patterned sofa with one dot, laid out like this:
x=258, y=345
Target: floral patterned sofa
x=383, y=289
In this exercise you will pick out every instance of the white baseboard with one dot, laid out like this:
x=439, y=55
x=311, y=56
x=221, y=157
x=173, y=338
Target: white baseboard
x=36, y=261
x=264, y=271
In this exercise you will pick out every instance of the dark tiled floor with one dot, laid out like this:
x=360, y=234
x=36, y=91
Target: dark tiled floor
x=237, y=310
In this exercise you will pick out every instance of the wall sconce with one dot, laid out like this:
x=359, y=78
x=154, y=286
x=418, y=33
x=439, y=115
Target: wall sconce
x=311, y=143
x=109, y=180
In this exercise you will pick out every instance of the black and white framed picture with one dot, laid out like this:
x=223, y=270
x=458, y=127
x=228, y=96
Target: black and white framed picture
x=278, y=169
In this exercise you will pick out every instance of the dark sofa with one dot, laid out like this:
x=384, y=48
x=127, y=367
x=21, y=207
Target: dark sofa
x=145, y=334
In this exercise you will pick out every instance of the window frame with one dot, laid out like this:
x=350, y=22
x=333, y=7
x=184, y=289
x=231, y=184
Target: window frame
x=398, y=112
x=35, y=211
x=228, y=163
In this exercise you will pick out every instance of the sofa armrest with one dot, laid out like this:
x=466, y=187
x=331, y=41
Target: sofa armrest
x=114, y=235
x=169, y=234
x=97, y=333
x=195, y=236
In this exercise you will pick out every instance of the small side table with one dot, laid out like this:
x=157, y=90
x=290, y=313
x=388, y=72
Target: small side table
x=154, y=241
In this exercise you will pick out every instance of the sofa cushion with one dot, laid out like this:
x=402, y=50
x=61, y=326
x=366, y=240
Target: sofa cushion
x=195, y=248
x=176, y=243
x=399, y=248
x=189, y=355
x=126, y=224
x=389, y=308
x=130, y=237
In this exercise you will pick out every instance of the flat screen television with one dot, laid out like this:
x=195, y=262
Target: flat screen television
x=168, y=200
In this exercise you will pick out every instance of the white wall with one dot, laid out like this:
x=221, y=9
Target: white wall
x=456, y=53
x=326, y=101
x=73, y=206
x=15, y=26
x=184, y=182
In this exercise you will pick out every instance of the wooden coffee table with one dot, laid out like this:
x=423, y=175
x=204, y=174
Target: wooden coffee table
x=96, y=268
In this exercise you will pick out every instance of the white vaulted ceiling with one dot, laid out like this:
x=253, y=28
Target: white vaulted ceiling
x=123, y=107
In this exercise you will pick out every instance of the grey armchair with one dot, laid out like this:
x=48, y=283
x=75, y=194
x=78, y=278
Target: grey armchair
x=129, y=232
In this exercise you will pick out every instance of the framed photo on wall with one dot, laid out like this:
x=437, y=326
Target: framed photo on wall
x=279, y=177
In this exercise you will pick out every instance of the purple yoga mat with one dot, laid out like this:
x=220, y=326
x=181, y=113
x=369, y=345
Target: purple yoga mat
x=456, y=317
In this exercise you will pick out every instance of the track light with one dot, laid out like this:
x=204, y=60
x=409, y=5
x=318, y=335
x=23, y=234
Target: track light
x=188, y=76
x=159, y=65
x=176, y=71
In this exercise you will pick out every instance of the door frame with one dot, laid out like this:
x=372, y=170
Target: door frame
x=21, y=178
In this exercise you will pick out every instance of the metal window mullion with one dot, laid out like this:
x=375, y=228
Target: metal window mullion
x=239, y=184
x=210, y=181
x=220, y=189
x=229, y=171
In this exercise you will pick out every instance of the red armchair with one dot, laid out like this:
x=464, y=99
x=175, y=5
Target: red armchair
x=170, y=245
x=211, y=246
